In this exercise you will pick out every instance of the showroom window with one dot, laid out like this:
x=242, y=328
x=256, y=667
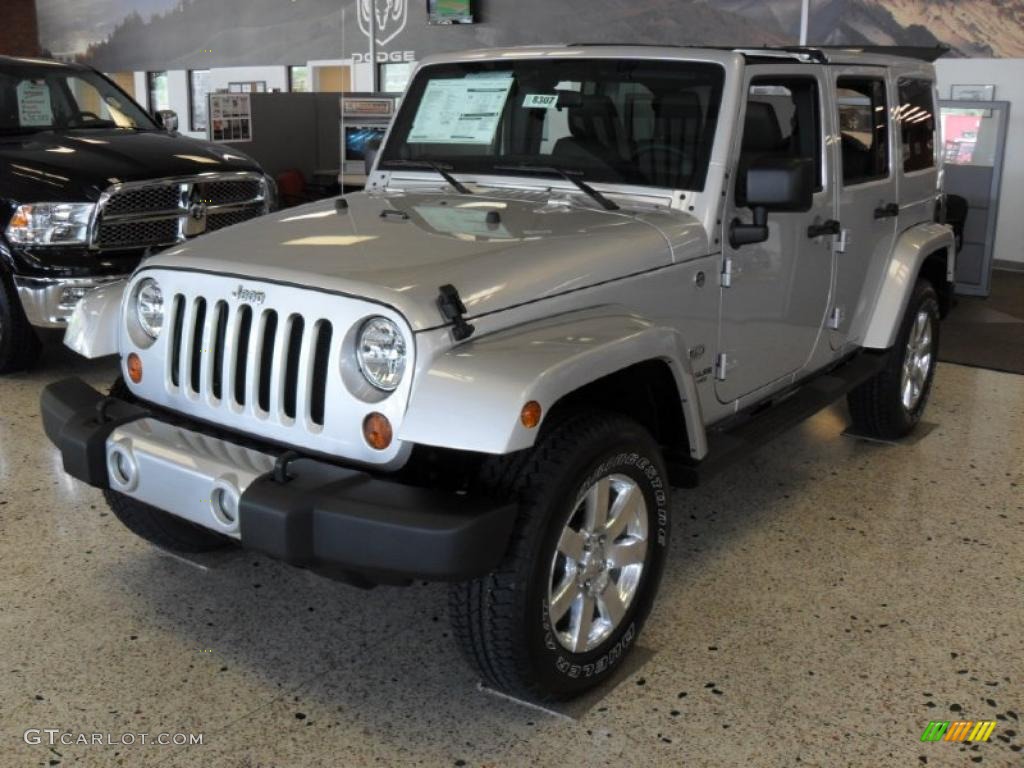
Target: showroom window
x=917, y=124
x=198, y=88
x=783, y=119
x=864, y=129
x=156, y=88
x=298, y=80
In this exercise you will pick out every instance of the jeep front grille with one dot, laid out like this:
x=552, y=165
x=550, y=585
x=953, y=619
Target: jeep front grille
x=250, y=359
x=167, y=211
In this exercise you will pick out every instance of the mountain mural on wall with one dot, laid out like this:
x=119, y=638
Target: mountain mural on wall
x=118, y=35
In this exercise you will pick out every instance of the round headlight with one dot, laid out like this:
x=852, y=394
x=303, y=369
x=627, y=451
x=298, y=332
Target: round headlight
x=149, y=307
x=380, y=351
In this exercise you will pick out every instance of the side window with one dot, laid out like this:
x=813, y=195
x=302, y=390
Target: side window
x=864, y=129
x=916, y=115
x=783, y=119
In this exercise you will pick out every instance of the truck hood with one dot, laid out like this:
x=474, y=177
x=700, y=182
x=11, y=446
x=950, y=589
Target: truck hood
x=78, y=165
x=499, y=250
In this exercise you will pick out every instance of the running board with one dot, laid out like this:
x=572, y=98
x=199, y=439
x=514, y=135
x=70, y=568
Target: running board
x=730, y=445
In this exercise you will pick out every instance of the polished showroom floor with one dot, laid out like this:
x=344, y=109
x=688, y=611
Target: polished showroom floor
x=822, y=603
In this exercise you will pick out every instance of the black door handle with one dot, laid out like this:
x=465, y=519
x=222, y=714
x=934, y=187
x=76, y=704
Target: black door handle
x=830, y=227
x=887, y=211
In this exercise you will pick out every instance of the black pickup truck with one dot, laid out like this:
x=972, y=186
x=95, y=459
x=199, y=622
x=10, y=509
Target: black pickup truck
x=90, y=184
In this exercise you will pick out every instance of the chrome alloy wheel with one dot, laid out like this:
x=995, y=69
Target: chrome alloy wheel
x=917, y=361
x=598, y=564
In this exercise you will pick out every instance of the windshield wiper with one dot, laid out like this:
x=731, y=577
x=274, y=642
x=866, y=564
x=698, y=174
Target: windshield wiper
x=441, y=170
x=567, y=174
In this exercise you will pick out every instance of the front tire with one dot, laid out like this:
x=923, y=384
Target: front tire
x=19, y=345
x=563, y=609
x=889, y=405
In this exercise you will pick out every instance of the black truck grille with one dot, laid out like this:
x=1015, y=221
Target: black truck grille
x=168, y=211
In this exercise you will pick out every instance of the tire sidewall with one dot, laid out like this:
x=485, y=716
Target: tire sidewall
x=633, y=454
x=924, y=298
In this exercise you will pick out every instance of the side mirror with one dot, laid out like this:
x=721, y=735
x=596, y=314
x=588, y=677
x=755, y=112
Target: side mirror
x=782, y=184
x=370, y=155
x=167, y=119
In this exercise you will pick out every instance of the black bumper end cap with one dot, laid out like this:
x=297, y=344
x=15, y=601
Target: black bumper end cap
x=73, y=421
x=328, y=516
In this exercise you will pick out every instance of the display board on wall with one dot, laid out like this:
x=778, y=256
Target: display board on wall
x=230, y=117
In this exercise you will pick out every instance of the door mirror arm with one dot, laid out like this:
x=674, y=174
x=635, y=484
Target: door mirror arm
x=741, y=234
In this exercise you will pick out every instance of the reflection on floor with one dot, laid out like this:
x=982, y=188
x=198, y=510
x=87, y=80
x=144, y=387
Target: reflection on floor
x=822, y=603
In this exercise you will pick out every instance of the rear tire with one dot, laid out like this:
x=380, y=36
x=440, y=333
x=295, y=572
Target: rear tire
x=889, y=405
x=161, y=528
x=563, y=609
x=19, y=345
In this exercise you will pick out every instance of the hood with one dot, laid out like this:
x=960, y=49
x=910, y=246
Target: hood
x=78, y=165
x=499, y=251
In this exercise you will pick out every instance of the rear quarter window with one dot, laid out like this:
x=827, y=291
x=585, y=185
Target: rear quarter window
x=916, y=117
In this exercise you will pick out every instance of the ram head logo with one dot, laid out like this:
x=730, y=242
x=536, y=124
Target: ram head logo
x=387, y=17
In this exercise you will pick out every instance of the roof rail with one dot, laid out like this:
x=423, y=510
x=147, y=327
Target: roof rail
x=811, y=53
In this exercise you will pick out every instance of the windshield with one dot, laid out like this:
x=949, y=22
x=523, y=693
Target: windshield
x=648, y=123
x=43, y=97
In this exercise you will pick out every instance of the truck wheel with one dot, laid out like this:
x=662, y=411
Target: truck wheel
x=160, y=528
x=19, y=345
x=890, y=404
x=565, y=606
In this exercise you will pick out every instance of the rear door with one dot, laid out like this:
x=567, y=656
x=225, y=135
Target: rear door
x=869, y=208
x=775, y=294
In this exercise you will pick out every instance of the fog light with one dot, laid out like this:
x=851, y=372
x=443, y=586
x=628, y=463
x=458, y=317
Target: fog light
x=225, y=506
x=530, y=415
x=71, y=295
x=121, y=466
x=135, y=368
x=377, y=431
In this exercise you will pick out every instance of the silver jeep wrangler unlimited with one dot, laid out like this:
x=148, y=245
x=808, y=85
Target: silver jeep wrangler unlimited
x=579, y=276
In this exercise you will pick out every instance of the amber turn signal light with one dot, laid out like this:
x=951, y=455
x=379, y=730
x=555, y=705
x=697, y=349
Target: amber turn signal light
x=377, y=431
x=530, y=415
x=135, y=368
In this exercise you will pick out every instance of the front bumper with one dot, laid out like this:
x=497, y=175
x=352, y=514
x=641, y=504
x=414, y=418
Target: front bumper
x=319, y=515
x=49, y=301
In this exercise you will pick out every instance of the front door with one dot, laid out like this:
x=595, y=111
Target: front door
x=869, y=208
x=775, y=294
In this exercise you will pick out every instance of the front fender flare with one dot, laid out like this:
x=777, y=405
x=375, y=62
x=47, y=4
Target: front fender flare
x=909, y=253
x=93, y=327
x=470, y=397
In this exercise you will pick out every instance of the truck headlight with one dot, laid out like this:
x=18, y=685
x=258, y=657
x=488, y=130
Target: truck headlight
x=51, y=224
x=149, y=307
x=380, y=350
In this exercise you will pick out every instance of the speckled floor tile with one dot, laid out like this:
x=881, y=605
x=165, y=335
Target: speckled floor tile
x=822, y=602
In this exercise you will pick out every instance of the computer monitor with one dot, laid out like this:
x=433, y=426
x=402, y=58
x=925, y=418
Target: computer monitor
x=357, y=137
x=450, y=11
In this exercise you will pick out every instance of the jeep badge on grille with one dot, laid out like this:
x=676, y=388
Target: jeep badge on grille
x=245, y=294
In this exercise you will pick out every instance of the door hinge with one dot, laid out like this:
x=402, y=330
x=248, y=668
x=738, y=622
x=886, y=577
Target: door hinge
x=727, y=273
x=840, y=241
x=836, y=318
x=721, y=366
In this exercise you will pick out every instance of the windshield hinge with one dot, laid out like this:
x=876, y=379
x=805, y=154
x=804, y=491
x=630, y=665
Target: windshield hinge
x=726, y=280
x=721, y=366
x=452, y=310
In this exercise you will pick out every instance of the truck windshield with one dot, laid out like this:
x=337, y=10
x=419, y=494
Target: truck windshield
x=640, y=122
x=50, y=97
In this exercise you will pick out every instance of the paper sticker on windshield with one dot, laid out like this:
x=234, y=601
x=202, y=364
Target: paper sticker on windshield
x=540, y=101
x=462, y=111
x=34, y=108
